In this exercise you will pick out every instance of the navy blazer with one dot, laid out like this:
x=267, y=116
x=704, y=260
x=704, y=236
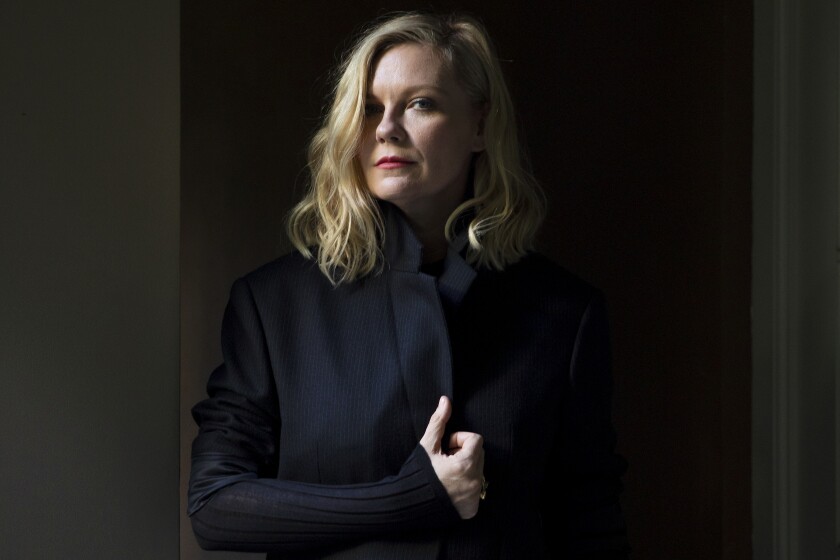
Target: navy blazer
x=308, y=442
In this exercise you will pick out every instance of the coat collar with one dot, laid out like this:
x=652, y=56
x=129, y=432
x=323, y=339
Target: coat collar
x=403, y=252
x=420, y=323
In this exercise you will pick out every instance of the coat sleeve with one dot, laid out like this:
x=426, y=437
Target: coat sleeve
x=235, y=503
x=585, y=473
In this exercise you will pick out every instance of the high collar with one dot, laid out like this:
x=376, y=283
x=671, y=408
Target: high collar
x=404, y=253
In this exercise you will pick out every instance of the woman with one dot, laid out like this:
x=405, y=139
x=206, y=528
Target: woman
x=413, y=381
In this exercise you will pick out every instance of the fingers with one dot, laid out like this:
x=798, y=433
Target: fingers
x=437, y=424
x=461, y=469
x=468, y=449
x=463, y=473
x=465, y=441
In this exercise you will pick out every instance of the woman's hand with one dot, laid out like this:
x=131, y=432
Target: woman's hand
x=461, y=470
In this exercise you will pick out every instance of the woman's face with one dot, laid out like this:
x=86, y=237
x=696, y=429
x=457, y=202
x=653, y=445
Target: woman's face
x=420, y=132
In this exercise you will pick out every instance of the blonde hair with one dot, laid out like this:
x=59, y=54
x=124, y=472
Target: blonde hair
x=341, y=219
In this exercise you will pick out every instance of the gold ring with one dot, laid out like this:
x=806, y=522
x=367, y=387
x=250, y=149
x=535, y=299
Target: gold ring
x=484, y=485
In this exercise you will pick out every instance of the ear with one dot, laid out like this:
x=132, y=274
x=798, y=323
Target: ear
x=479, y=142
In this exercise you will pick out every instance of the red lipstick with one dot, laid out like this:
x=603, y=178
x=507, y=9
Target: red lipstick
x=392, y=162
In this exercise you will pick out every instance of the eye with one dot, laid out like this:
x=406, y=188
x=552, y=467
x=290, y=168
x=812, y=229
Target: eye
x=422, y=103
x=372, y=109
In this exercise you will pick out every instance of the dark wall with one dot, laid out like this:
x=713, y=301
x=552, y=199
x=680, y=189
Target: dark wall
x=638, y=120
x=89, y=139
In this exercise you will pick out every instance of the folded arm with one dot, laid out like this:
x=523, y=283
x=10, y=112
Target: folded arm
x=235, y=503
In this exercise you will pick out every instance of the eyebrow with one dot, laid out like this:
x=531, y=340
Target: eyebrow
x=414, y=89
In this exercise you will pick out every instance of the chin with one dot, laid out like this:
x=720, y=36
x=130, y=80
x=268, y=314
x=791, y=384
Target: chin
x=391, y=194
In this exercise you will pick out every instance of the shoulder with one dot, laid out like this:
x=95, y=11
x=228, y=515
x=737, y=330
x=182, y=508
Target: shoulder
x=286, y=277
x=289, y=267
x=537, y=280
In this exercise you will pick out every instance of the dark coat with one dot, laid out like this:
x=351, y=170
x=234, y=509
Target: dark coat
x=308, y=442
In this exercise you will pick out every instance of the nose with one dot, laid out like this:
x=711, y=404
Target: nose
x=389, y=128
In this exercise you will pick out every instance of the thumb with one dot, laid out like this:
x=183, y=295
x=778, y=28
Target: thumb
x=437, y=423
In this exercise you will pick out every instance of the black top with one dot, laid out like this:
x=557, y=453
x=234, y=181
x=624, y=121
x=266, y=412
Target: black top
x=434, y=268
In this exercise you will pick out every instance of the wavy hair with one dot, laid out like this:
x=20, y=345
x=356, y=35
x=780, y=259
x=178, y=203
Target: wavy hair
x=338, y=222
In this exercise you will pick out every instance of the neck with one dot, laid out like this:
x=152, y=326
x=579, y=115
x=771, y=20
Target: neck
x=431, y=234
x=427, y=218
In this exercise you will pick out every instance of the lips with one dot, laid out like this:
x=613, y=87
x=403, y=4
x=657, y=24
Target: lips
x=390, y=162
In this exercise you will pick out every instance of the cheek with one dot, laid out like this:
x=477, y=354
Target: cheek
x=434, y=141
x=449, y=141
x=364, y=142
x=367, y=138
x=448, y=148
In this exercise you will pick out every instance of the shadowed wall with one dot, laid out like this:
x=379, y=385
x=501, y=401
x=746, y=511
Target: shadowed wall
x=89, y=217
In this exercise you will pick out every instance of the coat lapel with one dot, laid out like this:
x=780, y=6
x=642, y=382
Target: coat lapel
x=420, y=324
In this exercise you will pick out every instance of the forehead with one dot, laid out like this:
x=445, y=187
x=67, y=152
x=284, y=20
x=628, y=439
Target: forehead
x=410, y=64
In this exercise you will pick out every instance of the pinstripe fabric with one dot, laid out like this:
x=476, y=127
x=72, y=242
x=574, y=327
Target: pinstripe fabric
x=308, y=439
